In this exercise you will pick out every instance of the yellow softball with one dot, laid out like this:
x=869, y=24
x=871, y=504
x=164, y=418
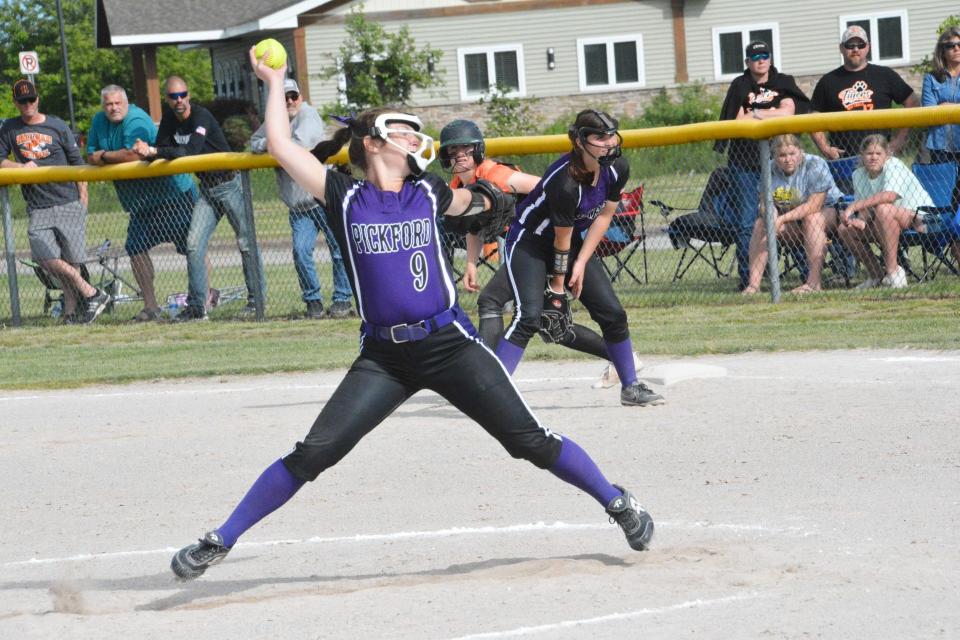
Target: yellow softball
x=276, y=54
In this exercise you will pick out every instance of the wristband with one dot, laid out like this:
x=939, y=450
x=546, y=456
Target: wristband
x=560, y=262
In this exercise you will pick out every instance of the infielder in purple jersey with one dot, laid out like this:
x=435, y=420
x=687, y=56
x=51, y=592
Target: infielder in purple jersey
x=578, y=193
x=414, y=333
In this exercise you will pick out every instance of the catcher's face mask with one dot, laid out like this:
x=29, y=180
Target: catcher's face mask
x=607, y=128
x=416, y=160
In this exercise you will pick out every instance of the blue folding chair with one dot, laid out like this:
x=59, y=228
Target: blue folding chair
x=842, y=171
x=940, y=221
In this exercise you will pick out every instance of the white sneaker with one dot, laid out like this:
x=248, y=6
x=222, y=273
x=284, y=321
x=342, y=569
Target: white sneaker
x=869, y=283
x=895, y=280
x=610, y=377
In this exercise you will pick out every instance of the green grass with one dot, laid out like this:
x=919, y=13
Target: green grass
x=697, y=315
x=72, y=356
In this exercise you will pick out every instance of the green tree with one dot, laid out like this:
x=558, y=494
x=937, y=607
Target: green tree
x=926, y=65
x=381, y=68
x=508, y=116
x=31, y=25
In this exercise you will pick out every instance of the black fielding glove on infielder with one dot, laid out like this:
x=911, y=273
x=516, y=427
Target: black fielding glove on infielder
x=487, y=222
x=556, y=319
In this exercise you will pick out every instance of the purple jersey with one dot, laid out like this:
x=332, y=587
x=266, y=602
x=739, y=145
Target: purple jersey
x=397, y=267
x=560, y=201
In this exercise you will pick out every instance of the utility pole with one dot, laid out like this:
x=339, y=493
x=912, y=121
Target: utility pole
x=66, y=66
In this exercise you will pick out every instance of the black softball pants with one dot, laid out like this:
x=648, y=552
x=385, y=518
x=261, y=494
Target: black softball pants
x=527, y=270
x=497, y=293
x=449, y=362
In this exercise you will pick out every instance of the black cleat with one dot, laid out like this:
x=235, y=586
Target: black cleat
x=636, y=523
x=640, y=395
x=190, y=562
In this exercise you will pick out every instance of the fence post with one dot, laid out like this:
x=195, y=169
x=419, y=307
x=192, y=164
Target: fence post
x=769, y=215
x=258, y=293
x=10, y=251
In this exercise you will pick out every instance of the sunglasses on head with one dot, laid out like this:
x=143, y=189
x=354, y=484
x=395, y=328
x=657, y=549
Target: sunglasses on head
x=850, y=46
x=292, y=96
x=756, y=57
x=955, y=44
x=178, y=94
x=26, y=100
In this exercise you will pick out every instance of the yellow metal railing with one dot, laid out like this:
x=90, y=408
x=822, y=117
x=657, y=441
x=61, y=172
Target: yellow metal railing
x=634, y=138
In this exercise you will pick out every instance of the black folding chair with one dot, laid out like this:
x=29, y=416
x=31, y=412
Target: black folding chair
x=707, y=233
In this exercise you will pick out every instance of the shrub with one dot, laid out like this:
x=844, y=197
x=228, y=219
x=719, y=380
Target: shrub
x=237, y=131
x=508, y=116
x=692, y=104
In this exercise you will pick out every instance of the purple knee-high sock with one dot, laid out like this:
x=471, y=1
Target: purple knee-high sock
x=509, y=354
x=621, y=354
x=272, y=489
x=576, y=467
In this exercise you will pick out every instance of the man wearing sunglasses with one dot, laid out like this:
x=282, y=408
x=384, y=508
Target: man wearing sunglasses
x=57, y=210
x=189, y=130
x=307, y=216
x=858, y=85
x=760, y=93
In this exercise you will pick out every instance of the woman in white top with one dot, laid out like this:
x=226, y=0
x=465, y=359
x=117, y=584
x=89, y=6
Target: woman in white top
x=887, y=198
x=805, y=197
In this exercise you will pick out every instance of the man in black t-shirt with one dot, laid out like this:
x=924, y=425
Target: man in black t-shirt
x=858, y=85
x=189, y=130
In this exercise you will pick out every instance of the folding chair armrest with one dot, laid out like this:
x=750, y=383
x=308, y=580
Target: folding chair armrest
x=667, y=210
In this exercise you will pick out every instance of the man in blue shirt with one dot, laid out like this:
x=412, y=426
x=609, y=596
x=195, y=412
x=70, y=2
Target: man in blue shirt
x=159, y=208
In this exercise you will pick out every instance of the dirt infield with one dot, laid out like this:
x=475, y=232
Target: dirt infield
x=809, y=495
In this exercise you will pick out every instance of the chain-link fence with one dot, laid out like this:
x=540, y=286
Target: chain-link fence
x=690, y=228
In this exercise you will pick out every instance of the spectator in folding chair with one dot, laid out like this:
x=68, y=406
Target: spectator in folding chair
x=159, y=208
x=462, y=152
x=189, y=130
x=942, y=86
x=805, y=197
x=579, y=192
x=307, y=217
x=888, y=196
x=57, y=210
x=760, y=93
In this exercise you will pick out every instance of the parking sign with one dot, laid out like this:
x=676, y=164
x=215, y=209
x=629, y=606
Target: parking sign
x=29, y=63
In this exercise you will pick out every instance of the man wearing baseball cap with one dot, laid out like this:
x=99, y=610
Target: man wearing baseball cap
x=858, y=85
x=307, y=216
x=57, y=210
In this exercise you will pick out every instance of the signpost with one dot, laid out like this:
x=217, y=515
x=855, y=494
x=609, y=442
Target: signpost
x=29, y=64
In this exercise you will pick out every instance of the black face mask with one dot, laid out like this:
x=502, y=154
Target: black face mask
x=605, y=160
x=610, y=158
